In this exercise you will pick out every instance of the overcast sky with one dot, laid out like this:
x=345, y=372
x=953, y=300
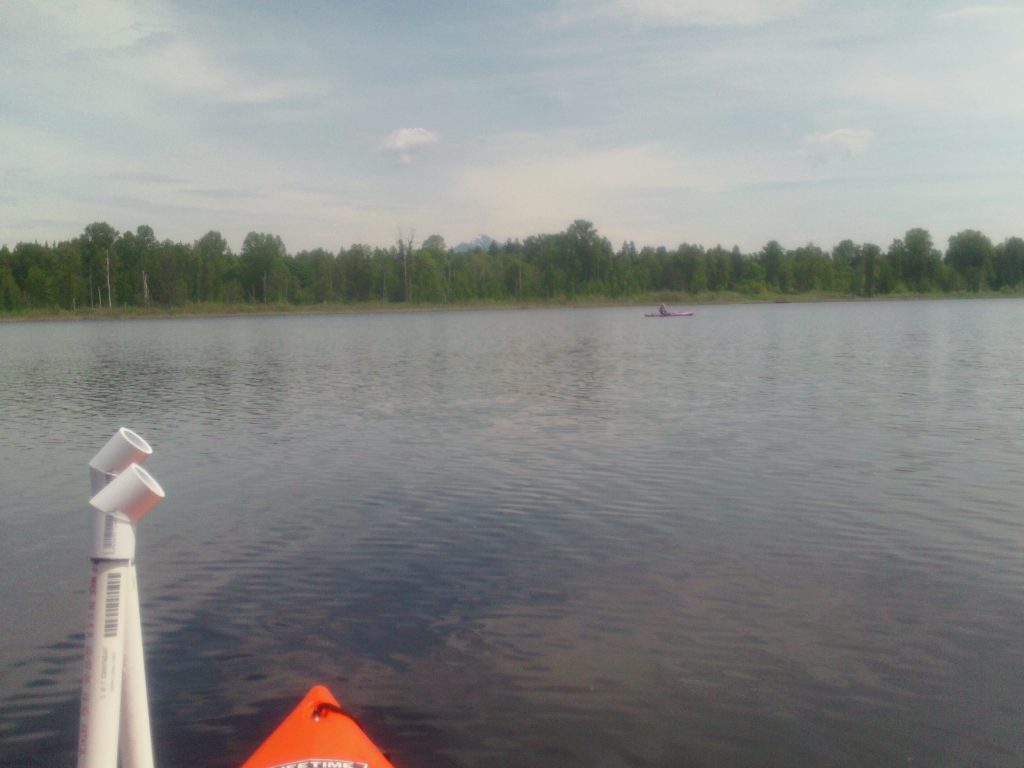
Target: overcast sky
x=660, y=121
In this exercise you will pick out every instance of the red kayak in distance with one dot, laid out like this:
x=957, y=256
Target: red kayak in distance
x=669, y=314
x=318, y=734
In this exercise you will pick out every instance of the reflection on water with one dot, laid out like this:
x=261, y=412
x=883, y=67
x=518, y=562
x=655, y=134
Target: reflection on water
x=763, y=535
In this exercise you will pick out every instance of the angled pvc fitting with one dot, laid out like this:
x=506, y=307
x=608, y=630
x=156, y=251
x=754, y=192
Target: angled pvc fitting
x=121, y=504
x=124, y=448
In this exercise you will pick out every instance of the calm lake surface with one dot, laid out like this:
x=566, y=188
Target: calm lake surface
x=780, y=535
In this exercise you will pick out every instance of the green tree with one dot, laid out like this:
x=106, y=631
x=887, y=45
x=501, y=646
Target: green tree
x=776, y=266
x=33, y=269
x=811, y=269
x=216, y=277
x=428, y=277
x=37, y=288
x=891, y=271
x=314, y=271
x=168, y=273
x=970, y=255
x=11, y=297
x=136, y=256
x=690, y=269
x=1008, y=264
x=67, y=280
x=356, y=274
x=921, y=262
x=96, y=245
x=103, y=267
x=845, y=257
x=434, y=270
x=719, y=269
x=752, y=279
x=584, y=254
x=263, y=270
x=872, y=259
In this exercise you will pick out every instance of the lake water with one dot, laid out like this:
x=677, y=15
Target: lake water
x=762, y=536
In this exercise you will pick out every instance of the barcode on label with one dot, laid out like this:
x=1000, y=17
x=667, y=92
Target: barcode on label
x=113, y=610
x=108, y=532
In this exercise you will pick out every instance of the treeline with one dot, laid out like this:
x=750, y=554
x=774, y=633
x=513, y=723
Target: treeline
x=106, y=268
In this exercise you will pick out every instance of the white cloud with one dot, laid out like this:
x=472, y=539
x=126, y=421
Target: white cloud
x=112, y=45
x=75, y=27
x=405, y=142
x=842, y=142
x=531, y=189
x=708, y=13
x=185, y=66
x=981, y=12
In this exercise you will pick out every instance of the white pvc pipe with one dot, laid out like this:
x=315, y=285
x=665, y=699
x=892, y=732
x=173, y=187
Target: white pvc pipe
x=104, y=662
x=124, y=448
x=113, y=646
x=136, y=738
x=129, y=496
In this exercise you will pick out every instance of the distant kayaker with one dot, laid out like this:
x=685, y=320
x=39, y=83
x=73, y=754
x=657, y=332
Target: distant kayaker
x=663, y=310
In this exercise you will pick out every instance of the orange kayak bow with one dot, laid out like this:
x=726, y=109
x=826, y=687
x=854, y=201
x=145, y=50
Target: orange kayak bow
x=318, y=734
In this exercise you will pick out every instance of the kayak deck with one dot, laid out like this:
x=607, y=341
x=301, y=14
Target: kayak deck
x=669, y=314
x=318, y=734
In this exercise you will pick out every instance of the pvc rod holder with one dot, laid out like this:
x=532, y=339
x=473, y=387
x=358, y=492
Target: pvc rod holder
x=100, y=713
x=124, y=448
x=114, y=703
x=129, y=495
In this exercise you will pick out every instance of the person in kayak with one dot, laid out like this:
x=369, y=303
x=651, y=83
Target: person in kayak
x=663, y=310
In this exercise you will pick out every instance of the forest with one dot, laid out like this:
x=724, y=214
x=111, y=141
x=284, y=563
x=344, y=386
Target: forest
x=119, y=270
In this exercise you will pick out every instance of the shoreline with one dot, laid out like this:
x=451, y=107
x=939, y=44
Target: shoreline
x=280, y=310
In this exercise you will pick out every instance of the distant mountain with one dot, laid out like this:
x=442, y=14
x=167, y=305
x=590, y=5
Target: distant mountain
x=483, y=242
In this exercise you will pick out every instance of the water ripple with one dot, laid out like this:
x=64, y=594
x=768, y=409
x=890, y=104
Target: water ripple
x=775, y=535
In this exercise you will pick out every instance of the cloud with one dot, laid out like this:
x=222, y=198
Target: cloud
x=530, y=183
x=842, y=142
x=142, y=48
x=75, y=28
x=535, y=189
x=704, y=13
x=405, y=142
x=223, y=194
x=144, y=177
x=176, y=64
x=980, y=12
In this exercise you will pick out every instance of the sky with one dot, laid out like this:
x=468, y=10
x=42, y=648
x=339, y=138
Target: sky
x=662, y=122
